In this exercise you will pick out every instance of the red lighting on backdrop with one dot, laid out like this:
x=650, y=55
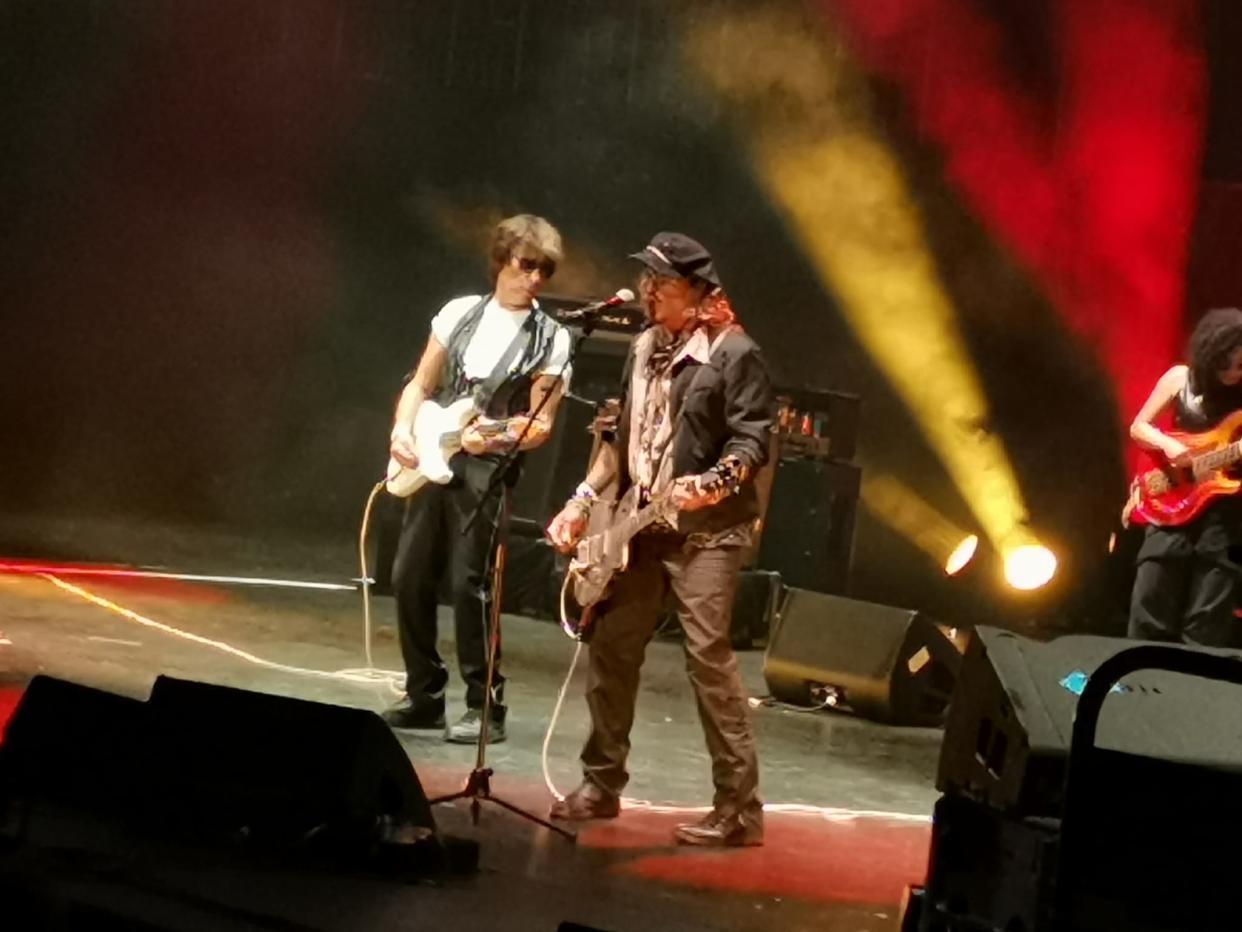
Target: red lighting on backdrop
x=1092, y=181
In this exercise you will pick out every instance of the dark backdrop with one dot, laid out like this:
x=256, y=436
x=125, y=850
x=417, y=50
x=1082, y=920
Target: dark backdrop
x=226, y=225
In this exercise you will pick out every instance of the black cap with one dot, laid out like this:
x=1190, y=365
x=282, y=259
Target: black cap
x=680, y=255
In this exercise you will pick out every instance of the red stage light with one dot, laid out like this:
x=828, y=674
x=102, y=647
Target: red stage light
x=1092, y=181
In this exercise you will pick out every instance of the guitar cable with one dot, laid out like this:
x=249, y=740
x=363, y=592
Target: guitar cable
x=391, y=677
x=560, y=696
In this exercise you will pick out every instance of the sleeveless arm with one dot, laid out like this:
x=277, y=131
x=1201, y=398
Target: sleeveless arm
x=1143, y=430
x=425, y=381
x=541, y=429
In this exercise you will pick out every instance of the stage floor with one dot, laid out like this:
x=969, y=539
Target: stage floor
x=848, y=801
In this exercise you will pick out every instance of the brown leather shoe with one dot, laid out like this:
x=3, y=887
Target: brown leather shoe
x=722, y=830
x=588, y=801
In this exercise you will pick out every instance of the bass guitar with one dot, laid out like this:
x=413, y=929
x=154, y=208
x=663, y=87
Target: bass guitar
x=1170, y=496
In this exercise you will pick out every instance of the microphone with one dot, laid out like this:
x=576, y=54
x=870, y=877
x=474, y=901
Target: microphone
x=624, y=296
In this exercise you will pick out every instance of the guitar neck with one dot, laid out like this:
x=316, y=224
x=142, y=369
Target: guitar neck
x=642, y=518
x=1218, y=459
x=652, y=512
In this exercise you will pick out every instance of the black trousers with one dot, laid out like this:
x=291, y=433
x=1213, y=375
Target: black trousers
x=1183, y=591
x=432, y=545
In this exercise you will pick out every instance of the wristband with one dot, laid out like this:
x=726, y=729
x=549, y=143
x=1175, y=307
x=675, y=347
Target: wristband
x=584, y=492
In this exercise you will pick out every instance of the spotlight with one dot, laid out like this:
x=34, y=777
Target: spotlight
x=1030, y=566
x=902, y=509
x=962, y=554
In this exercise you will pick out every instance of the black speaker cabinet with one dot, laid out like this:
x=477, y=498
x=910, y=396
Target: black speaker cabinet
x=212, y=763
x=885, y=663
x=75, y=747
x=1008, y=732
x=808, y=532
x=283, y=767
x=756, y=603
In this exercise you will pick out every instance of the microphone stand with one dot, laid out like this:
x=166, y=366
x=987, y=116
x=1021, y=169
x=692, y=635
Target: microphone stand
x=478, y=786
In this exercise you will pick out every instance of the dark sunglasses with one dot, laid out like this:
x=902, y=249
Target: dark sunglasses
x=545, y=266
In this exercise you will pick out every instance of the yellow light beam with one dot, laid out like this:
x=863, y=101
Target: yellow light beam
x=903, y=510
x=842, y=193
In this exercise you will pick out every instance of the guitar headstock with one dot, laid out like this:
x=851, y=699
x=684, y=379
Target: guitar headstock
x=607, y=416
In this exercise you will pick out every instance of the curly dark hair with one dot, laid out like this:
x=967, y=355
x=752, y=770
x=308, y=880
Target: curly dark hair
x=1215, y=339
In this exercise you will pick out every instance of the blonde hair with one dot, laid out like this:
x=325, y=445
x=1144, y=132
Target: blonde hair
x=524, y=230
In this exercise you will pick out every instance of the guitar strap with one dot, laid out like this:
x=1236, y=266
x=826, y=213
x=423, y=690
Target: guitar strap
x=486, y=390
x=534, y=337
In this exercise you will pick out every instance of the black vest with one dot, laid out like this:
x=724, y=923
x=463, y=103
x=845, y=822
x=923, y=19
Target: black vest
x=510, y=393
x=1195, y=413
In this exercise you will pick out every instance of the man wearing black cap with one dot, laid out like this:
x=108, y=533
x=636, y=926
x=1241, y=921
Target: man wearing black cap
x=694, y=424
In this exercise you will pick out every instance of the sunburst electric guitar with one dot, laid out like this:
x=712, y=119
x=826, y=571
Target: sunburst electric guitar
x=1170, y=496
x=437, y=436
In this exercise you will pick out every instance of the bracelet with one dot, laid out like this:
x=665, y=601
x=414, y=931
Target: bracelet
x=584, y=492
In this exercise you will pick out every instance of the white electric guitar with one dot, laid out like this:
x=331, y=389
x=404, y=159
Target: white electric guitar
x=437, y=436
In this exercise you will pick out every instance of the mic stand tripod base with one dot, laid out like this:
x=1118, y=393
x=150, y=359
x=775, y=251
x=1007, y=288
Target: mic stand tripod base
x=479, y=787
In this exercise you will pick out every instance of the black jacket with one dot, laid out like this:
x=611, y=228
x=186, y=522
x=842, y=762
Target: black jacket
x=722, y=407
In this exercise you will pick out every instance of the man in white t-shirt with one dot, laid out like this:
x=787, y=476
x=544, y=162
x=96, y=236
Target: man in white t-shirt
x=509, y=354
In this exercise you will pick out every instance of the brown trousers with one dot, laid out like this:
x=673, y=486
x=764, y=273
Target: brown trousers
x=703, y=582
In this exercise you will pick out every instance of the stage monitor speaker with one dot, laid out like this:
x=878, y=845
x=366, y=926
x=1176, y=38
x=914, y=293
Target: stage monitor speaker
x=808, y=530
x=282, y=769
x=75, y=747
x=755, y=604
x=1008, y=732
x=213, y=763
x=885, y=663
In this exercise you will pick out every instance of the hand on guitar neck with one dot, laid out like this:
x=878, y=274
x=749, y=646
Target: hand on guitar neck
x=690, y=493
x=483, y=435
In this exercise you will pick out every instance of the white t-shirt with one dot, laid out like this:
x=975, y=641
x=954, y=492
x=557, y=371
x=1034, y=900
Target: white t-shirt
x=492, y=337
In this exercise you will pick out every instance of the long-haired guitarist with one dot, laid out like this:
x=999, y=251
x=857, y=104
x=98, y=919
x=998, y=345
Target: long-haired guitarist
x=1185, y=586
x=500, y=354
x=694, y=426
